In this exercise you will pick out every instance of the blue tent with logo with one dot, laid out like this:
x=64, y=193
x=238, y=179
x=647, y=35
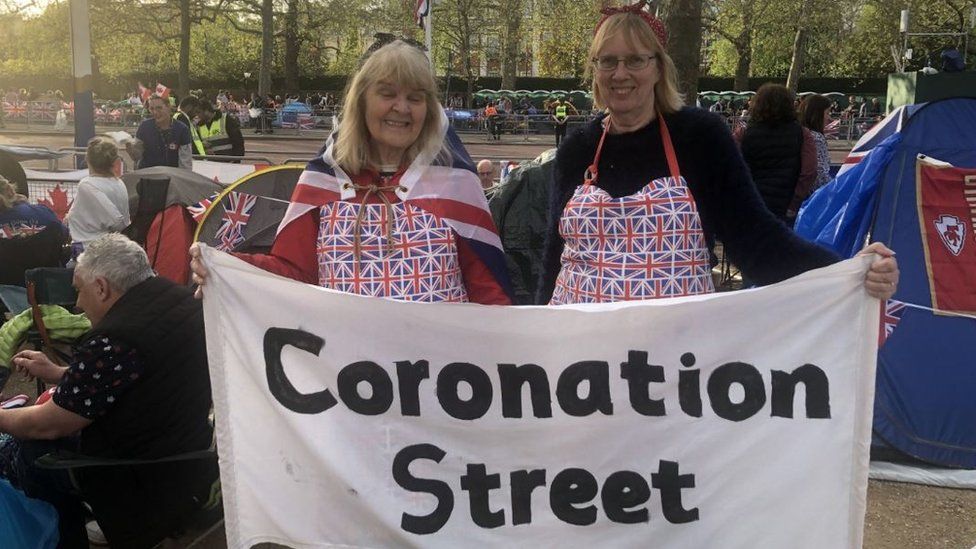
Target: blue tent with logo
x=925, y=398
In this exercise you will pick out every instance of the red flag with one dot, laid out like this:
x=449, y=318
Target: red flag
x=144, y=92
x=162, y=90
x=947, y=215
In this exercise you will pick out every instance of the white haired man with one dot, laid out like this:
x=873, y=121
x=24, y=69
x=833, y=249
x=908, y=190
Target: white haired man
x=137, y=389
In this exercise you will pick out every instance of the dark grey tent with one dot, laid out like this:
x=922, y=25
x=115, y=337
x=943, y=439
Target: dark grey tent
x=273, y=188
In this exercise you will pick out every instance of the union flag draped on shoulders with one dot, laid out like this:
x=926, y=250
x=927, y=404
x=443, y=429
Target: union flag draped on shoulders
x=444, y=185
x=947, y=217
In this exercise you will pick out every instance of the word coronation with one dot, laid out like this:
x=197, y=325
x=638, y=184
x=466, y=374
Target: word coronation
x=465, y=391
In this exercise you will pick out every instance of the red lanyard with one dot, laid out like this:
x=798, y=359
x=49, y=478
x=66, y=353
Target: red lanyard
x=590, y=176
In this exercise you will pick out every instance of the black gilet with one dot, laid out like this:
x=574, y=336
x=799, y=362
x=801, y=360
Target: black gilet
x=165, y=411
x=773, y=156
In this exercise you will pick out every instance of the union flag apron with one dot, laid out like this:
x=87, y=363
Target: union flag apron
x=643, y=246
x=394, y=250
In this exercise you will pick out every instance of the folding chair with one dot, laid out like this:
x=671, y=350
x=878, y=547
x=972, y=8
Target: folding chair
x=44, y=249
x=48, y=286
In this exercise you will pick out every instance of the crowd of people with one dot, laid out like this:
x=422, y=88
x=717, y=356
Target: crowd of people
x=395, y=181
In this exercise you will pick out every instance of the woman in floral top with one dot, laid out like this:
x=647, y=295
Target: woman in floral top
x=814, y=115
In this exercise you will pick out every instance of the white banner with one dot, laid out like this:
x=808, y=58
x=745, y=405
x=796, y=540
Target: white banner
x=731, y=420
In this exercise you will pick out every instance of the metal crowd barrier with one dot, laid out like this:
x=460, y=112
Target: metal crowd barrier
x=844, y=128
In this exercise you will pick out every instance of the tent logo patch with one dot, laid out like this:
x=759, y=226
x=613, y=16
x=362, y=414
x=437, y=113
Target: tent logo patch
x=952, y=231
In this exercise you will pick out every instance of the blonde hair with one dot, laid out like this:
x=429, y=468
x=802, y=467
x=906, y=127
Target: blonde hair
x=101, y=154
x=400, y=63
x=8, y=195
x=636, y=31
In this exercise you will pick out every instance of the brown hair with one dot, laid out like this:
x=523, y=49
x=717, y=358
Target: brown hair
x=773, y=105
x=812, y=112
x=635, y=30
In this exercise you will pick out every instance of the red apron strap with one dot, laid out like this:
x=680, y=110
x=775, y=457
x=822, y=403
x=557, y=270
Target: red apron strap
x=589, y=177
x=669, y=149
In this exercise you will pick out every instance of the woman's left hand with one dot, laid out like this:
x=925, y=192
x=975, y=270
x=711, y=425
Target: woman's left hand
x=882, y=278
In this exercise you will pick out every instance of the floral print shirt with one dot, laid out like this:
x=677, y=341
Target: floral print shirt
x=101, y=372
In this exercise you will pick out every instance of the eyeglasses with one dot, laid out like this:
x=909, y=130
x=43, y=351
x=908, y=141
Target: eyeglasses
x=484, y=173
x=632, y=62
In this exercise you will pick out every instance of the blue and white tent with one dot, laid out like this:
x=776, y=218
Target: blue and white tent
x=925, y=400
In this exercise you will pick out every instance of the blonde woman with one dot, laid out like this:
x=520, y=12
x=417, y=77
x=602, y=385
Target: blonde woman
x=101, y=205
x=18, y=217
x=393, y=206
x=641, y=193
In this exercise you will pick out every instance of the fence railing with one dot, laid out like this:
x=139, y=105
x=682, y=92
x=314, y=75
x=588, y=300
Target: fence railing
x=839, y=128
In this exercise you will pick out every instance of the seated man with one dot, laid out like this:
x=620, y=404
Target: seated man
x=138, y=388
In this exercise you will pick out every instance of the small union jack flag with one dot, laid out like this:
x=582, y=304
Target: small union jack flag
x=20, y=229
x=198, y=210
x=237, y=212
x=890, y=316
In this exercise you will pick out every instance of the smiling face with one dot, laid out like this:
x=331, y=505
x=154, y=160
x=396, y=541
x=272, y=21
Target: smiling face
x=394, y=116
x=159, y=109
x=628, y=94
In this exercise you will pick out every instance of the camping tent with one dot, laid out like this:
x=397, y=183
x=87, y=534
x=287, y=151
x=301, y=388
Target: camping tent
x=926, y=377
x=246, y=215
x=159, y=201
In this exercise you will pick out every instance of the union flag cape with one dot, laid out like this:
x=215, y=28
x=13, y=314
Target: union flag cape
x=446, y=187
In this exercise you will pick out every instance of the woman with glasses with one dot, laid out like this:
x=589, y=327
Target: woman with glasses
x=641, y=193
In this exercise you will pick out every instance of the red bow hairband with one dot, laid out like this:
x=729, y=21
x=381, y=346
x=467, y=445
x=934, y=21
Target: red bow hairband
x=637, y=9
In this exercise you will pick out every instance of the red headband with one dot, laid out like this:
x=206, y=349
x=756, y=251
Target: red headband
x=637, y=9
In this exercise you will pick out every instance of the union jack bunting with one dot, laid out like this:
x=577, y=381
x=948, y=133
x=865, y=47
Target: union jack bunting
x=237, y=212
x=890, y=316
x=447, y=187
x=198, y=210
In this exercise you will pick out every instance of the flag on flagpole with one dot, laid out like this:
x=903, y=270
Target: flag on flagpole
x=162, y=90
x=144, y=92
x=422, y=10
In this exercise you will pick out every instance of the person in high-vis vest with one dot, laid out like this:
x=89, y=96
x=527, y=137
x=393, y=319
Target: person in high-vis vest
x=186, y=114
x=560, y=116
x=221, y=134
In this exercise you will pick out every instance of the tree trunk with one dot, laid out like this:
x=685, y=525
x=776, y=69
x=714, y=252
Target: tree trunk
x=267, y=46
x=799, y=48
x=183, y=84
x=292, y=46
x=684, y=22
x=743, y=46
x=512, y=16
